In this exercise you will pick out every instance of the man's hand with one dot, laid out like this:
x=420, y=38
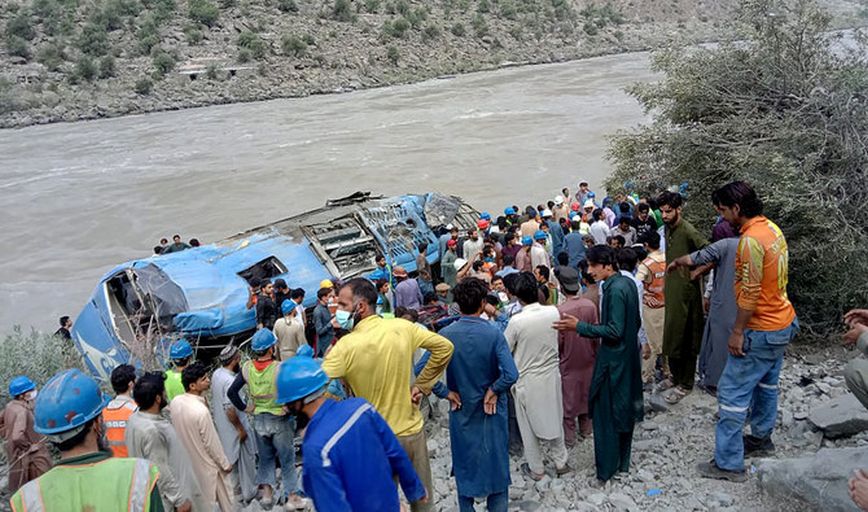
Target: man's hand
x=489, y=310
x=489, y=402
x=859, y=316
x=706, y=304
x=187, y=506
x=852, y=336
x=454, y=400
x=242, y=435
x=683, y=261
x=424, y=500
x=567, y=323
x=646, y=351
x=858, y=487
x=416, y=395
x=652, y=301
x=736, y=344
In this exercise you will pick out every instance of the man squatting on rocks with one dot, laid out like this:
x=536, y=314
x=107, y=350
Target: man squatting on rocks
x=528, y=350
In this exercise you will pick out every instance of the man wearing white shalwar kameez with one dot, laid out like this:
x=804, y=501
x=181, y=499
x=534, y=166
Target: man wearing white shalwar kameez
x=537, y=393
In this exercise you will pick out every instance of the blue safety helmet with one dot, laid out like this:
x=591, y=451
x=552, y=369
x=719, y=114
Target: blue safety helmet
x=67, y=401
x=287, y=306
x=540, y=235
x=298, y=378
x=304, y=351
x=591, y=195
x=509, y=211
x=263, y=340
x=20, y=385
x=485, y=216
x=181, y=349
x=526, y=240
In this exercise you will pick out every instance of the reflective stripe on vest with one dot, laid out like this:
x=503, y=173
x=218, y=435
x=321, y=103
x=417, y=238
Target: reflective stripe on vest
x=31, y=498
x=262, y=387
x=111, y=485
x=116, y=427
x=658, y=276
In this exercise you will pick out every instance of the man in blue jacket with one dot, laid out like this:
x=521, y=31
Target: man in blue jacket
x=350, y=453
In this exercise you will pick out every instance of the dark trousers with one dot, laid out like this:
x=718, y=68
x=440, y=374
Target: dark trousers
x=498, y=502
x=611, y=450
x=683, y=368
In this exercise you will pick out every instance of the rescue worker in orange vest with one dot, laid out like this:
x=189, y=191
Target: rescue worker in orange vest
x=119, y=410
x=652, y=272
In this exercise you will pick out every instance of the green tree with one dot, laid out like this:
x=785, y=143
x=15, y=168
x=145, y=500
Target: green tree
x=85, y=69
x=107, y=67
x=93, y=40
x=21, y=25
x=193, y=35
x=343, y=11
x=203, y=12
x=782, y=107
x=393, y=55
x=287, y=6
x=51, y=56
x=458, y=30
x=163, y=62
x=252, y=42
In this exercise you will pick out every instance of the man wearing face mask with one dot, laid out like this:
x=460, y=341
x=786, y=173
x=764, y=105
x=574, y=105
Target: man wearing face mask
x=150, y=436
x=350, y=454
x=376, y=360
x=26, y=450
x=67, y=412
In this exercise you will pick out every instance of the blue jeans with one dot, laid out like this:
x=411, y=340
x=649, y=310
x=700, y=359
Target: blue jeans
x=274, y=438
x=498, y=502
x=749, y=387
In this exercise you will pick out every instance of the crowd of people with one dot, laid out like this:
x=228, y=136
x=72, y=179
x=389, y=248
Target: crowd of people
x=549, y=323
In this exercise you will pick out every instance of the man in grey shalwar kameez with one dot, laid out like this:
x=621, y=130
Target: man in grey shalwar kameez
x=151, y=436
x=230, y=422
x=722, y=311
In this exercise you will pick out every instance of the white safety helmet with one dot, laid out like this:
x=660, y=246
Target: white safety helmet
x=559, y=200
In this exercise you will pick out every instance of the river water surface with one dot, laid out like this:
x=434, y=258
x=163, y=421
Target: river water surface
x=76, y=199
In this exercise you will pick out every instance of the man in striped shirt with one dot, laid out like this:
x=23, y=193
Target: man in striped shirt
x=764, y=326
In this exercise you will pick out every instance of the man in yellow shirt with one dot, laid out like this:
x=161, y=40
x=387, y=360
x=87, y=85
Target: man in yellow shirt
x=376, y=361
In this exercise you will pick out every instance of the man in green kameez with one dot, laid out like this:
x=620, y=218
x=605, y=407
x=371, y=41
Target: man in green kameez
x=684, y=322
x=615, y=404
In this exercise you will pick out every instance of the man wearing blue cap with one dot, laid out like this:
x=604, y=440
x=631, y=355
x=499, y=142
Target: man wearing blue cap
x=67, y=412
x=522, y=257
x=26, y=453
x=350, y=453
x=274, y=430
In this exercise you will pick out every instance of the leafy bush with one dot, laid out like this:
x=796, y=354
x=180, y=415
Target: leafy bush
x=397, y=28
x=212, y=72
x=143, y=86
x=38, y=355
x=372, y=6
x=254, y=43
x=203, y=12
x=85, y=69
x=393, y=55
x=308, y=40
x=148, y=36
x=483, y=7
x=163, y=62
x=399, y=7
x=21, y=25
x=342, y=11
x=287, y=6
x=107, y=67
x=93, y=40
x=226, y=4
x=244, y=56
x=458, y=30
x=430, y=33
x=51, y=56
x=17, y=47
x=193, y=35
x=783, y=108
x=479, y=25
x=292, y=45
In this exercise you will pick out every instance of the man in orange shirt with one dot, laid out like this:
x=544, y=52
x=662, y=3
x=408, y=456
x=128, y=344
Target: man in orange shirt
x=764, y=326
x=118, y=411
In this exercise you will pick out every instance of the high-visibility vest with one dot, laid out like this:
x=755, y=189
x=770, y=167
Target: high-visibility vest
x=658, y=275
x=262, y=386
x=111, y=485
x=174, y=386
x=115, y=417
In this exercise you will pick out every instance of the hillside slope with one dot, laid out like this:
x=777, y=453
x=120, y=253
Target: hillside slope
x=64, y=60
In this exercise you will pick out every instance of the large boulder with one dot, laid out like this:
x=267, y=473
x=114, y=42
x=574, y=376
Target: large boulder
x=819, y=481
x=840, y=417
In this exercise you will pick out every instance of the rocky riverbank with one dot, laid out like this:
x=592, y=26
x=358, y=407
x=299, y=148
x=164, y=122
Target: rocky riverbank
x=67, y=61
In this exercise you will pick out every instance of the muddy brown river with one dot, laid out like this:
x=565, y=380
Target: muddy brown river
x=76, y=199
